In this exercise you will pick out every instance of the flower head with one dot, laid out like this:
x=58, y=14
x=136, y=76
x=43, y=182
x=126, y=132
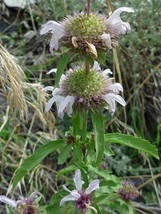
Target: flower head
x=128, y=191
x=81, y=197
x=87, y=34
x=23, y=205
x=81, y=90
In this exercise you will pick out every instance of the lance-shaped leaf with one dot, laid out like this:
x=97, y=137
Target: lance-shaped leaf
x=133, y=142
x=32, y=161
x=97, y=121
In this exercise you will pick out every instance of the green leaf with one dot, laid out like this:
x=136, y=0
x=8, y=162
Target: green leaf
x=61, y=67
x=104, y=174
x=32, y=161
x=77, y=155
x=55, y=204
x=97, y=121
x=64, y=154
x=66, y=170
x=77, y=121
x=133, y=142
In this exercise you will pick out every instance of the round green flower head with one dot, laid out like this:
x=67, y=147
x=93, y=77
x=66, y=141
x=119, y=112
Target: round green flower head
x=87, y=34
x=84, y=91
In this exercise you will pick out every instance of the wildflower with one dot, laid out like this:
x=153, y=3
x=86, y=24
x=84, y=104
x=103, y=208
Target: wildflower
x=23, y=205
x=128, y=191
x=79, y=90
x=115, y=25
x=82, y=198
x=87, y=34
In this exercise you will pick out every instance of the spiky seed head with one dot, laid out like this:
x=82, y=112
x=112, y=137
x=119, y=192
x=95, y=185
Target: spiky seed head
x=87, y=88
x=128, y=191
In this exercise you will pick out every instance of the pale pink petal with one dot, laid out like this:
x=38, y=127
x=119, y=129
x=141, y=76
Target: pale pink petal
x=66, y=104
x=57, y=33
x=77, y=180
x=115, y=17
x=115, y=21
x=66, y=189
x=67, y=198
x=106, y=72
x=8, y=201
x=92, y=186
x=32, y=197
x=111, y=100
x=63, y=77
x=52, y=101
x=115, y=87
x=106, y=39
x=75, y=194
x=96, y=66
x=48, y=88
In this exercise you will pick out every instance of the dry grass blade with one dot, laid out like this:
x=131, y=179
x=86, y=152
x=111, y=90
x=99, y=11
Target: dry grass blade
x=11, y=79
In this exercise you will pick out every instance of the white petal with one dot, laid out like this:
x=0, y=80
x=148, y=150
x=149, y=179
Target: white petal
x=63, y=77
x=111, y=98
x=66, y=189
x=67, y=198
x=52, y=101
x=54, y=70
x=57, y=33
x=66, y=104
x=8, y=201
x=115, y=17
x=75, y=194
x=106, y=72
x=116, y=23
x=92, y=186
x=115, y=87
x=96, y=66
x=56, y=92
x=33, y=196
x=106, y=39
x=77, y=180
x=48, y=88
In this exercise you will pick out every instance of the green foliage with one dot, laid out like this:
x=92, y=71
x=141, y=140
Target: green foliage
x=61, y=67
x=134, y=142
x=97, y=121
x=35, y=159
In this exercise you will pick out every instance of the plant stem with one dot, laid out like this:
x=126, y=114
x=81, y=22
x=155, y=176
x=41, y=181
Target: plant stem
x=84, y=127
x=87, y=67
x=88, y=7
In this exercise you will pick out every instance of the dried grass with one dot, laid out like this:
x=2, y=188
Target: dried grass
x=11, y=79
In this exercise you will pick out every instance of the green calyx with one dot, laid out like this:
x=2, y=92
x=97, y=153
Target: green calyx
x=84, y=84
x=87, y=26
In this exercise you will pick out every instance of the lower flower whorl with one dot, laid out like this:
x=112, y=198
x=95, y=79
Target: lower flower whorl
x=86, y=87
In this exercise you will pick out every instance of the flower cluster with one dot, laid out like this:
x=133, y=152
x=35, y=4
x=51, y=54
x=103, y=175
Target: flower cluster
x=87, y=34
x=81, y=197
x=23, y=205
x=128, y=191
x=83, y=90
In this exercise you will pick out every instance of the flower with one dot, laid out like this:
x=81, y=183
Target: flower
x=87, y=34
x=115, y=25
x=23, y=205
x=82, y=198
x=84, y=91
x=128, y=191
